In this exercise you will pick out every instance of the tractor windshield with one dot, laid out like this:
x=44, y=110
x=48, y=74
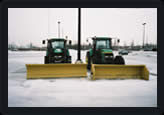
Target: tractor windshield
x=57, y=44
x=102, y=44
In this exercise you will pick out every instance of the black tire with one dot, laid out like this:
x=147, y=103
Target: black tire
x=154, y=49
x=69, y=59
x=119, y=60
x=46, y=59
x=89, y=61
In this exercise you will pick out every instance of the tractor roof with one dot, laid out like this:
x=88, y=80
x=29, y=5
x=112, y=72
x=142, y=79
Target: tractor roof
x=101, y=38
x=56, y=39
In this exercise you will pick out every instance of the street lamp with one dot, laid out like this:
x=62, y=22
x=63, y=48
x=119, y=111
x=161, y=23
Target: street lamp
x=58, y=29
x=143, y=34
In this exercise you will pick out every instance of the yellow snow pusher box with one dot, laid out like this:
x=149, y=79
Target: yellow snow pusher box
x=102, y=71
x=56, y=70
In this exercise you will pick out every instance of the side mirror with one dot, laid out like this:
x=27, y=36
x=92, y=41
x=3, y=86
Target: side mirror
x=43, y=42
x=70, y=42
x=118, y=40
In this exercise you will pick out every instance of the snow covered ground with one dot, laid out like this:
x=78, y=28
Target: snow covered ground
x=79, y=92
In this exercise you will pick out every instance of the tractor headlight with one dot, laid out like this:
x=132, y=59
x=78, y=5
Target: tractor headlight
x=107, y=56
x=57, y=56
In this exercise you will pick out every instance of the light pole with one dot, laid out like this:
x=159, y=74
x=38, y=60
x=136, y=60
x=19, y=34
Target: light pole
x=143, y=34
x=58, y=29
x=48, y=22
x=79, y=37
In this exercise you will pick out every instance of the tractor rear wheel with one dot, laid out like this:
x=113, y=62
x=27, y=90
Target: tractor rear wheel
x=119, y=60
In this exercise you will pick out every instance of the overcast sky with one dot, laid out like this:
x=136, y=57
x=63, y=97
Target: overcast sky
x=27, y=25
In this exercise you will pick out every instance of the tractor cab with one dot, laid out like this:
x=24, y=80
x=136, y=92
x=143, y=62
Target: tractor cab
x=56, y=43
x=101, y=52
x=102, y=43
x=57, y=51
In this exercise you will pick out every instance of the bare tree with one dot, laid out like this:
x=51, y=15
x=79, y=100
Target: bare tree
x=132, y=44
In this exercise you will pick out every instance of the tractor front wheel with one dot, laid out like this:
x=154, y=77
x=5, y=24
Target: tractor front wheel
x=119, y=60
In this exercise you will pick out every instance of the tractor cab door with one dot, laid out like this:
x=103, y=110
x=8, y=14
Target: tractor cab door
x=49, y=48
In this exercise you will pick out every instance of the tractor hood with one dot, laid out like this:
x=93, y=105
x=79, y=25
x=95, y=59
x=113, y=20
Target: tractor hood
x=57, y=50
x=106, y=50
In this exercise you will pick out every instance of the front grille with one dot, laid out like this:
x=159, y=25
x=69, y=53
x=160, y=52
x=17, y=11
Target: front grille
x=108, y=58
x=58, y=56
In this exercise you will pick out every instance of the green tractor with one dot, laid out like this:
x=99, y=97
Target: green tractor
x=101, y=53
x=56, y=51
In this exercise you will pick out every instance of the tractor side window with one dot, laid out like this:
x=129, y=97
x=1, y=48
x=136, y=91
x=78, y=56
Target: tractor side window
x=107, y=44
x=58, y=44
x=102, y=44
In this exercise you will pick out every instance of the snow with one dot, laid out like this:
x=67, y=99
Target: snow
x=80, y=92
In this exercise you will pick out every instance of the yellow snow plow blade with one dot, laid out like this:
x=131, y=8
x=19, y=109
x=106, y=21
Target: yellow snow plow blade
x=101, y=71
x=55, y=70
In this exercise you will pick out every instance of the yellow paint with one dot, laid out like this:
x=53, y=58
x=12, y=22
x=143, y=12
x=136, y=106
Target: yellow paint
x=86, y=59
x=102, y=71
x=55, y=70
